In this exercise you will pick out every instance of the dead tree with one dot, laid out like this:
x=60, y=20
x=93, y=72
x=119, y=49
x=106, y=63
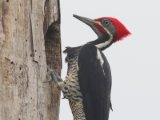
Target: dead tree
x=29, y=42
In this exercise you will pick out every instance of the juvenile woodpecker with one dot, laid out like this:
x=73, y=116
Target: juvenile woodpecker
x=87, y=85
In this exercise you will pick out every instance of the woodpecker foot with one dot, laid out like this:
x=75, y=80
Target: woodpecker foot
x=52, y=76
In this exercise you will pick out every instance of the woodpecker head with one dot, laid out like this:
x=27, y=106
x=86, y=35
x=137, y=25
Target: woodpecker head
x=106, y=27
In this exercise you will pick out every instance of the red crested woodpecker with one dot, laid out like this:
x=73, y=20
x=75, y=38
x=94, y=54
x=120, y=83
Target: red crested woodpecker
x=88, y=82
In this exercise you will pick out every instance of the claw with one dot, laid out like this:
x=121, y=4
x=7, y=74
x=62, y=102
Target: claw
x=53, y=76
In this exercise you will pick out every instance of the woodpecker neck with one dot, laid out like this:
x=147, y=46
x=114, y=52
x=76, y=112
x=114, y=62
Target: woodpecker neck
x=103, y=42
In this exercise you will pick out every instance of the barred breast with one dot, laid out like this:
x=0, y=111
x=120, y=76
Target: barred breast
x=71, y=91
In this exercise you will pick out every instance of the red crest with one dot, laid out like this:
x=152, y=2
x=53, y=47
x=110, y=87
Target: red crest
x=121, y=30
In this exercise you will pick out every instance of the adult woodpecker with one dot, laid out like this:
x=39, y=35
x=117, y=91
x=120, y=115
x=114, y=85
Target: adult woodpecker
x=88, y=82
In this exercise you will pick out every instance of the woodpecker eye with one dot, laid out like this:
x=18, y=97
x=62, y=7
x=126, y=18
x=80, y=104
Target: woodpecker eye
x=106, y=22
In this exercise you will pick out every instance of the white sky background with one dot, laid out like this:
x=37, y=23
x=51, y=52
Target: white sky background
x=135, y=61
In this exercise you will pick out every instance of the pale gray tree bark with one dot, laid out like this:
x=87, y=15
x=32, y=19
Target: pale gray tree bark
x=29, y=42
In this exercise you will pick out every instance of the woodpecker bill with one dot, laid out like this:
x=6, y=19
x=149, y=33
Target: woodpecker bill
x=87, y=85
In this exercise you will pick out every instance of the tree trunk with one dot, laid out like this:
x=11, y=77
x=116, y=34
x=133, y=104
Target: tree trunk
x=29, y=42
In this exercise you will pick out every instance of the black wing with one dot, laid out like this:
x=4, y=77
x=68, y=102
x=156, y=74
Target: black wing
x=95, y=83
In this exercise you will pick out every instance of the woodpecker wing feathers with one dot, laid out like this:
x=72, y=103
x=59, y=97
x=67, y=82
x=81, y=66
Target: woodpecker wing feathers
x=95, y=82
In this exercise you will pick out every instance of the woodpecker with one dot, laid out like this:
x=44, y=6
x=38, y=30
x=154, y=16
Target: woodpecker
x=87, y=85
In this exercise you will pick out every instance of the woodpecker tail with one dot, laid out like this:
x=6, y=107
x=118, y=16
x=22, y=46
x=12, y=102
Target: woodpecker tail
x=111, y=106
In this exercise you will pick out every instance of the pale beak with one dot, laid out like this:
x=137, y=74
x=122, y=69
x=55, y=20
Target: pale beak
x=89, y=22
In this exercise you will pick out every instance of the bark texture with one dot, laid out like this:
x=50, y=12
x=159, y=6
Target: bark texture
x=29, y=42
